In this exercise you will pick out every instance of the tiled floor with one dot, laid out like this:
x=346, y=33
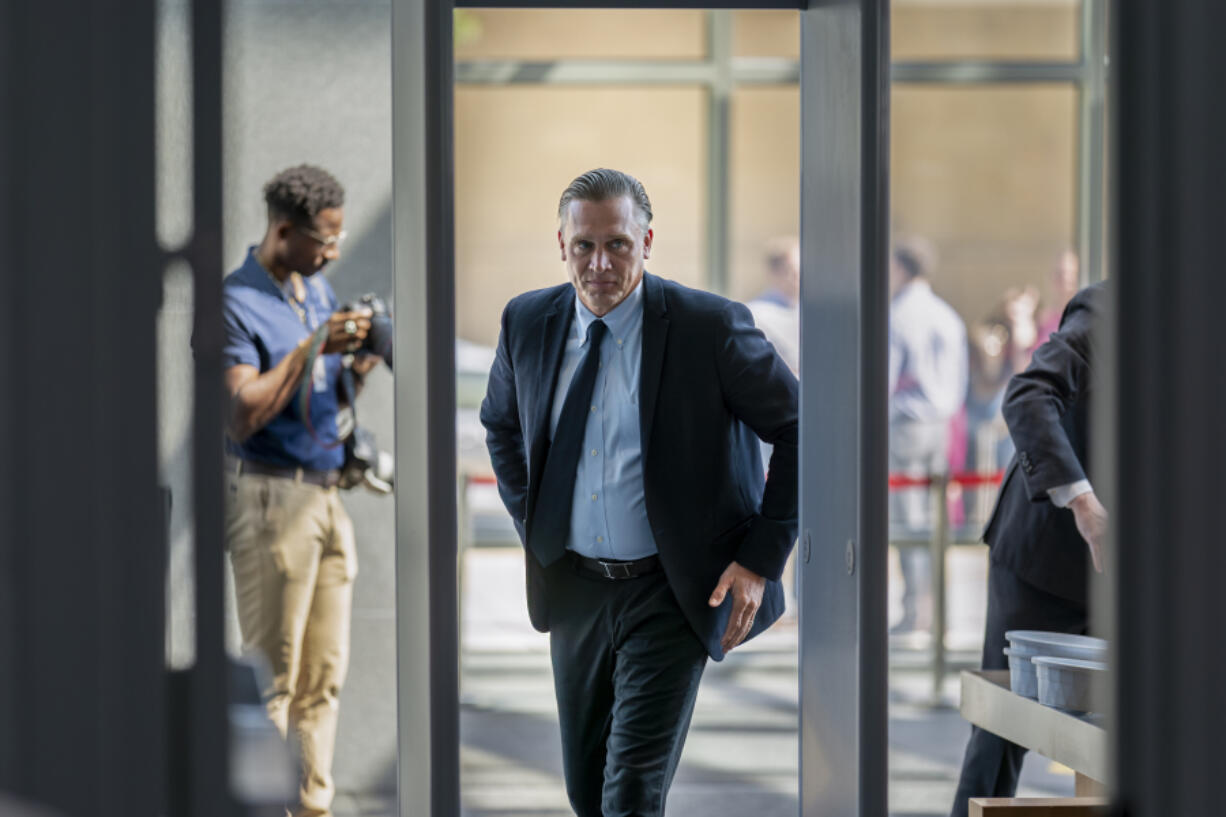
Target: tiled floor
x=742, y=754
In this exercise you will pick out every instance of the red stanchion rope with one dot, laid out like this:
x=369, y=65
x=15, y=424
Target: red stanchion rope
x=967, y=479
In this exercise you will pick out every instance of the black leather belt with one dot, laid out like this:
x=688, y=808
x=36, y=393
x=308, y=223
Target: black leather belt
x=324, y=479
x=615, y=570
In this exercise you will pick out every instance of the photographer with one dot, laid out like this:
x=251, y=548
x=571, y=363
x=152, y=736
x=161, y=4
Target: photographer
x=286, y=348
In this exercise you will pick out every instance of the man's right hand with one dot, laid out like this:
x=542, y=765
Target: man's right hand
x=340, y=339
x=1091, y=519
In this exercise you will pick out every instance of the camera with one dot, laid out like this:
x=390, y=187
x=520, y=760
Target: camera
x=381, y=337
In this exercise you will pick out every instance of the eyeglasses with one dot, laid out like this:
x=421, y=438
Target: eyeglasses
x=326, y=240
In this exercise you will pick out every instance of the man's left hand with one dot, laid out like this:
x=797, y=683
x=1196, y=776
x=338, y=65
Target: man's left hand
x=1091, y=519
x=746, y=588
x=363, y=362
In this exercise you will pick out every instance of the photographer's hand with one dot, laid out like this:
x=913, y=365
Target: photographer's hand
x=346, y=331
x=256, y=398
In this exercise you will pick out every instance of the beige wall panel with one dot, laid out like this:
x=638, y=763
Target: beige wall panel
x=985, y=29
x=988, y=174
x=764, y=178
x=516, y=150
x=548, y=34
x=772, y=33
x=938, y=29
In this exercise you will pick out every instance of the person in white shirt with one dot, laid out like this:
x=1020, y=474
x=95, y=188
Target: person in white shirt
x=776, y=310
x=927, y=387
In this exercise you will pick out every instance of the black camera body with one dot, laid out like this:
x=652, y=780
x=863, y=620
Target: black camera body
x=365, y=464
x=382, y=336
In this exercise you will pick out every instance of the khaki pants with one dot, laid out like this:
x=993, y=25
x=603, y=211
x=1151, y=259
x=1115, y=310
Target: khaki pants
x=294, y=558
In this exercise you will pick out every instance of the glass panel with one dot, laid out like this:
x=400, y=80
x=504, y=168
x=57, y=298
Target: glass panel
x=988, y=174
x=774, y=33
x=549, y=34
x=985, y=29
x=983, y=186
x=764, y=180
x=938, y=30
x=516, y=150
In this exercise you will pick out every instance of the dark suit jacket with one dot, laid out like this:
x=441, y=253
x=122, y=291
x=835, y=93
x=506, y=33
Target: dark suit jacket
x=1047, y=409
x=710, y=383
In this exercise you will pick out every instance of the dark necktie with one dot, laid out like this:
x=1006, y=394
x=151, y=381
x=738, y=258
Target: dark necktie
x=551, y=517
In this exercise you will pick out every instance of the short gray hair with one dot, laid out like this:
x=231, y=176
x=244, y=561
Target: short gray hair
x=603, y=184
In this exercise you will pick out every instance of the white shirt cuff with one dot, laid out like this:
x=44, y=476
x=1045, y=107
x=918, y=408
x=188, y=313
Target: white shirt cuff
x=1062, y=495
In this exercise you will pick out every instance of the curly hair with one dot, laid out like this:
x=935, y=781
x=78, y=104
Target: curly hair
x=603, y=184
x=300, y=193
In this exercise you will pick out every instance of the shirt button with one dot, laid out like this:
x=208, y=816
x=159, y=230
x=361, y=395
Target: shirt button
x=593, y=452
x=599, y=538
x=593, y=409
x=619, y=343
x=593, y=496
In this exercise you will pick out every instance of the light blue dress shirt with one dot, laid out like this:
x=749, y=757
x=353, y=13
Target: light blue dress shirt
x=609, y=517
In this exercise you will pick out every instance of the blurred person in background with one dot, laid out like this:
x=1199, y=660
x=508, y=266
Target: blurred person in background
x=776, y=310
x=1000, y=347
x=623, y=415
x=1046, y=522
x=927, y=370
x=290, y=539
x=1062, y=285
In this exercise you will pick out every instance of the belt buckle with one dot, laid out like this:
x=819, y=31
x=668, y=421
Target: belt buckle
x=611, y=573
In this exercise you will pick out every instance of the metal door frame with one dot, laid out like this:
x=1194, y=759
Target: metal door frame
x=844, y=80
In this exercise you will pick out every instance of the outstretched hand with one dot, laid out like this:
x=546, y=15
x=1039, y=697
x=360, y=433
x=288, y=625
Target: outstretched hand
x=746, y=588
x=1091, y=519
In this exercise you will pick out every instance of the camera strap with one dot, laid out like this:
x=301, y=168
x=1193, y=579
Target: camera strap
x=318, y=338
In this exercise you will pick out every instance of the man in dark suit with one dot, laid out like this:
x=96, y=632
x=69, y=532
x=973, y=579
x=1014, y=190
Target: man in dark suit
x=623, y=416
x=1047, y=518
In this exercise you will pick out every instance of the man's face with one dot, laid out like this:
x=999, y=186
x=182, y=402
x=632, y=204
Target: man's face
x=604, y=246
x=307, y=250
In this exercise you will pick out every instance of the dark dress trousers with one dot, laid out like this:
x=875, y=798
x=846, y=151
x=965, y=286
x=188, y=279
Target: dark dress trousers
x=1039, y=561
x=628, y=654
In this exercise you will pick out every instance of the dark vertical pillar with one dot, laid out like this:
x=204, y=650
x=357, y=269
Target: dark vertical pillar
x=844, y=202
x=82, y=550
x=201, y=733
x=440, y=384
x=1170, y=173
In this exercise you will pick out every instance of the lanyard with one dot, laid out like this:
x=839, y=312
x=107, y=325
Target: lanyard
x=311, y=321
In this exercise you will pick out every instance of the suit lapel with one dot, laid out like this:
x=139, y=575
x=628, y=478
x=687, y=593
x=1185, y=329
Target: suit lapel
x=655, y=333
x=554, y=326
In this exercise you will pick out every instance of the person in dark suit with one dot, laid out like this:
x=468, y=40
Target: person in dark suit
x=623, y=415
x=1046, y=521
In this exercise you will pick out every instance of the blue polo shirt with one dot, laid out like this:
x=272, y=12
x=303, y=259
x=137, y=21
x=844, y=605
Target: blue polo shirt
x=262, y=326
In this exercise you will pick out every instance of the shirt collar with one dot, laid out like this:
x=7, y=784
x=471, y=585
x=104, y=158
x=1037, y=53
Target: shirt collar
x=914, y=286
x=257, y=275
x=619, y=319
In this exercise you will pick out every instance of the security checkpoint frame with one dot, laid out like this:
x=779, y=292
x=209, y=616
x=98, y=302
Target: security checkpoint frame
x=844, y=87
